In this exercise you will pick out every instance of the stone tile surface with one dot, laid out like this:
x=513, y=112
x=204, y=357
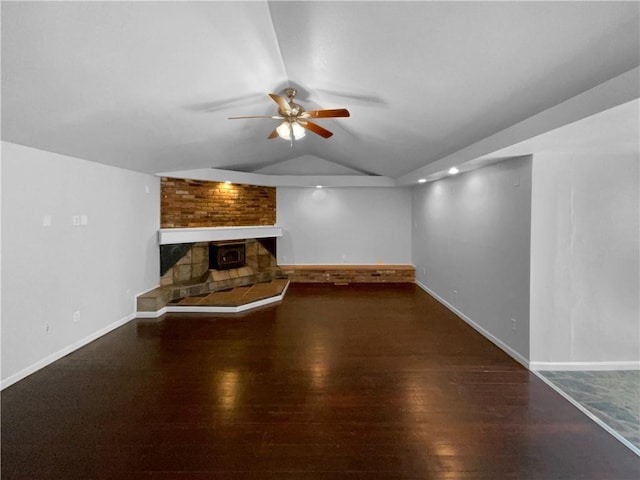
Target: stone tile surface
x=612, y=396
x=239, y=295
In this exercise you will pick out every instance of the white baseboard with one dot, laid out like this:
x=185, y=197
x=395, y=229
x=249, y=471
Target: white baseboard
x=580, y=407
x=541, y=366
x=156, y=314
x=499, y=343
x=584, y=366
x=25, y=372
x=212, y=309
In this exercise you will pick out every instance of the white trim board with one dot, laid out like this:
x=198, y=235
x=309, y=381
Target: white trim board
x=584, y=366
x=213, y=309
x=489, y=336
x=40, y=364
x=209, y=234
x=589, y=414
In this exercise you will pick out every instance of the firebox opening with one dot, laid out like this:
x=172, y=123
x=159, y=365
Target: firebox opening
x=226, y=255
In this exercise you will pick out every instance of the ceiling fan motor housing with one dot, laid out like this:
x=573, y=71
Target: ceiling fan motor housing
x=294, y=108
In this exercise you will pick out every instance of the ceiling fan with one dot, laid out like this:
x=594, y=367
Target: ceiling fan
x=295, y=120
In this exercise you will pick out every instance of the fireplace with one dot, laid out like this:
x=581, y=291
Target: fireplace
x=226, y=255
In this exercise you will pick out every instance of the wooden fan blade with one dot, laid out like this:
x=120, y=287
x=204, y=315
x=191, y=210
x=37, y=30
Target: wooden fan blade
x=315, y=128
x=283, y=105
x=275, y=117
x=273, y=134
x=330, y=113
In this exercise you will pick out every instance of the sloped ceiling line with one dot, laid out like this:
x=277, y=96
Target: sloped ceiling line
x=148, y=86
x=275, y=34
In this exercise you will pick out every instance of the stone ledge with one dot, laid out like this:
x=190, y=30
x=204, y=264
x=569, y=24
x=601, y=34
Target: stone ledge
x=160, y=297
x=265, y=295
x=344, y=274
x=344, y=266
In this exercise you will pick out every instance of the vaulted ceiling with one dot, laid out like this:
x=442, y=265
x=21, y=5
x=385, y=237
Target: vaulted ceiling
x=149, y=86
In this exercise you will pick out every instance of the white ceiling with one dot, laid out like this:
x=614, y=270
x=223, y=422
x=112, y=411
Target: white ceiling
x=149, y=85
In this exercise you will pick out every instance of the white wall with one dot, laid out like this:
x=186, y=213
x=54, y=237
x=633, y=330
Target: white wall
x=344, y=225
x=48, y=273
x=471, y=248
x=585, y=262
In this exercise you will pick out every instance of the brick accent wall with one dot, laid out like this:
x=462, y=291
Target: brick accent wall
x=198, y=203
x=344, y=274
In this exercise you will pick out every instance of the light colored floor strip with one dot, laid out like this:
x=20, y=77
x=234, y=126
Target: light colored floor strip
x=588, y=413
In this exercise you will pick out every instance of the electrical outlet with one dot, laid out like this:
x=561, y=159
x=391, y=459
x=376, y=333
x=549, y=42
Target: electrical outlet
x=84, y=220
x=513, y=324
x=75, y=220
x=76, y=316
x=46, y=221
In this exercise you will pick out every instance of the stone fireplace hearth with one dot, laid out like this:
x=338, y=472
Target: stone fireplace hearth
x=191, y=275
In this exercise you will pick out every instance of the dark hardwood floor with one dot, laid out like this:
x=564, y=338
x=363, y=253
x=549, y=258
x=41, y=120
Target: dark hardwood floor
x=336, y=382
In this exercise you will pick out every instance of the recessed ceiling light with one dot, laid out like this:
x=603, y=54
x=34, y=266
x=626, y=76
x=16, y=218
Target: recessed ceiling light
x=453, y=171
x=318, y=186
x=227, y=182
x=422, y=180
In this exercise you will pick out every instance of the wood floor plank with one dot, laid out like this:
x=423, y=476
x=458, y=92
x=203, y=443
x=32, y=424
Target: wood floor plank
x=340, y=382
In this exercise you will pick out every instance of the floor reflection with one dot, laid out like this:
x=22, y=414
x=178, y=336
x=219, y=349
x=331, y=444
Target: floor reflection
x=228, y=388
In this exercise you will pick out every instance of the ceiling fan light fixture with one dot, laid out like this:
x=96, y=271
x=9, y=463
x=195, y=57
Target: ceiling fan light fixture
x=284, y=131
x=298, y=130
x=287, y=128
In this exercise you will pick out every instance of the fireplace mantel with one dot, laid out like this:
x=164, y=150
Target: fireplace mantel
x=167, y=236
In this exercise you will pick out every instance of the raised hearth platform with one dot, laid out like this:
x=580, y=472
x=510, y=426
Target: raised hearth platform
x=236, y=296
x=345, y=274
x=234, y=300
x=212, y=281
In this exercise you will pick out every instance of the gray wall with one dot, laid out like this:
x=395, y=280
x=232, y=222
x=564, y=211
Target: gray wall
x=585, y=262
x=471, y=244
x=565, y=233
x=344, y=225
x=48, y=273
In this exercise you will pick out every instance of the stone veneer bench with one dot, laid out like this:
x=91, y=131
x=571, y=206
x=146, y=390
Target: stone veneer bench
x=345, y=274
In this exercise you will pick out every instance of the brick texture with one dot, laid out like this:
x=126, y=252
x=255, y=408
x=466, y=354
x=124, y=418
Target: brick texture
x=343, y=274
x=196, y=203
